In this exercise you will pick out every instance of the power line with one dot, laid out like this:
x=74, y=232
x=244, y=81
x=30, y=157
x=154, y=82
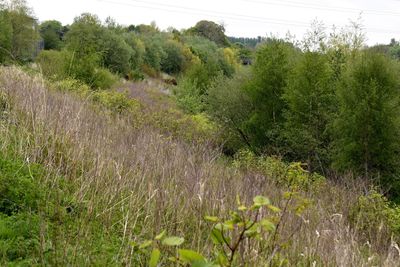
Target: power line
x=324, y=7
x=231, y=16
x=209, y=13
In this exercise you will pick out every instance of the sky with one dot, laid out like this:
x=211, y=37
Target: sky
x=241, y=18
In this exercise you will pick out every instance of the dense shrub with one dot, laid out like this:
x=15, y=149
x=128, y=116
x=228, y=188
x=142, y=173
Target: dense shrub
x=376, y=217
x=55, y=64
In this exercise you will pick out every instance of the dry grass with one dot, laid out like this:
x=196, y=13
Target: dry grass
x=131, y=183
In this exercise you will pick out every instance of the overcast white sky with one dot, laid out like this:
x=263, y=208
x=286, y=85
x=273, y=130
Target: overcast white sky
x=247, y=18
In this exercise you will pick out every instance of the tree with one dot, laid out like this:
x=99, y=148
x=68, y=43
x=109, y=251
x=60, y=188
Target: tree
x=270, y=75
x=6, y=36
x=173, y=61
x=23, y=32
x=228, y=103
x=310, y=99
x=84, y=35
x=116, y=52
x=367, y=127
x=52, y=33
x=210, y=30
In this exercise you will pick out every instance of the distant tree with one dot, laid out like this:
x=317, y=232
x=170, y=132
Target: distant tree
x=84, y=35
x=367, y=127
x=116, y=53
x=210, y=30
x=173, y=60
x=138, y=49
x=52, y=33
x=24, y=30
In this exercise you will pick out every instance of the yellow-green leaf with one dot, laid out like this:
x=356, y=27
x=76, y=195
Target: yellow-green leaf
x=190, y=256
x=160, y=235
x=154, y=258
x=211, y=218
x=145, y=244
x=173, y=241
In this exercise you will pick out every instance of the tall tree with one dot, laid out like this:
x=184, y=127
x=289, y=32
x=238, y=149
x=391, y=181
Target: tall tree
x=210, y=30
x=25, y=36
x=367, y=127
x=6, y=35
x=270, y=72
x=311, y=104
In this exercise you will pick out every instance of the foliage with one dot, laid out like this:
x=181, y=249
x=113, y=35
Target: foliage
x=374, y=215
x=173, y=62
x=211, y=31
x=366, y=128
x=228, y=103
x=55, y=64
x=6, y=35
x=270, y=72
x=52, y=33
x=245, y=225
x=117, y=53
x=310, y=100
x=291, y=175
x=20, y=26
x=18, y=190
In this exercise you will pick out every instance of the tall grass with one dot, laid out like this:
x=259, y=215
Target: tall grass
x=110, y=183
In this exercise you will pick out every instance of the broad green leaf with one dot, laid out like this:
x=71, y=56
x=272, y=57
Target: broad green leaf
x=235, y=217
x=173, y=241
x=250, y=232
x=160, y=235
x=261, y=201
x=230, y=225
x=154, y=258
x=145, y=244
x=216, y=236
x=221, y=259
x=211, y=218
x=190, y=256
x=267, y=225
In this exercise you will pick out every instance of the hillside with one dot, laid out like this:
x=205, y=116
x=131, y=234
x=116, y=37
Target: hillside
x=129, y=145
x=90, y=184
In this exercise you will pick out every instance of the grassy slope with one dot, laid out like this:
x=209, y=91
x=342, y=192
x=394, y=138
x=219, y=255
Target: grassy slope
x=106, y=181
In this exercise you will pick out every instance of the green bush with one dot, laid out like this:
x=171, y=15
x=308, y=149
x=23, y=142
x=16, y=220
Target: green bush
x=103, y=79
x=173, y=61
x=19, y=239
x=19, y=189
x=291, y=175
x=71, y=85
x=374, y=214
x=55, y=64
x=115, y=101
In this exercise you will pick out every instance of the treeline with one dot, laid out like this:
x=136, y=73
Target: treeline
x=97, y=52
x=329, y=102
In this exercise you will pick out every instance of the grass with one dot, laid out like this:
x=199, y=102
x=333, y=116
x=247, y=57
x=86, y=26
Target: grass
x=107, y=183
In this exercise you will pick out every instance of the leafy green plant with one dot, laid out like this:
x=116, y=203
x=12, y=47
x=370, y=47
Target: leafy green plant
x=374, y=214
x=244, y=224
x=291, y=175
